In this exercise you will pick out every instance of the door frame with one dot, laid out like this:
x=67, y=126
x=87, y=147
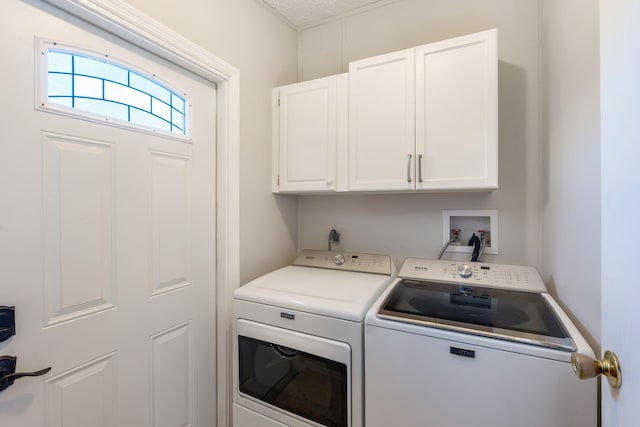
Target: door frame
x=133, y=26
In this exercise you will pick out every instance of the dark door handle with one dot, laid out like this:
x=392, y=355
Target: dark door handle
x=7, y=322
x=8, y=372
x=5, y=379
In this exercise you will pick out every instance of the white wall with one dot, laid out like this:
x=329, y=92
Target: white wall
x=264, y=48
x=411, y=225
x=570, y=187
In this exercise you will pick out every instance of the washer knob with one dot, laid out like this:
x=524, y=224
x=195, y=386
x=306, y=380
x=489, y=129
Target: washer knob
x=465, y=271
x=339, y=259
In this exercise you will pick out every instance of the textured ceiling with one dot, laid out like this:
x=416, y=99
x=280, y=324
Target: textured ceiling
x=303, y=12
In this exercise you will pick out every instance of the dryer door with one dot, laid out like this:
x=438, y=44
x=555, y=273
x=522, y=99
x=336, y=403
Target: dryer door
x=304, y=375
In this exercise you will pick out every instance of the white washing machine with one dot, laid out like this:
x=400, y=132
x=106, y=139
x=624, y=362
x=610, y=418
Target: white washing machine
x=477, y=344
x=298, y=340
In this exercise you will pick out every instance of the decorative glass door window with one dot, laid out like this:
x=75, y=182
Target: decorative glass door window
x=107, y=90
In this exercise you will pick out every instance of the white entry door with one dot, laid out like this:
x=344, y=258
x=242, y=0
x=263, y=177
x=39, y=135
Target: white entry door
x=107, y=245
x=620, y=148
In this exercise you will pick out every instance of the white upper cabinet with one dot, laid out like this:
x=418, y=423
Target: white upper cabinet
x=310, y=136
x=457, y=113
x=382, y=122
x=420, y=119
x=426, y=118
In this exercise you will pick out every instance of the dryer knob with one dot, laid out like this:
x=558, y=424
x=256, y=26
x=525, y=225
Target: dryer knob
x=465, y=271
x=339, y=259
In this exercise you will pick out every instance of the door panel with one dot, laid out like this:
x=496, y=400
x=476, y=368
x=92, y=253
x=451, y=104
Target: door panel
x=78, y=232
x=308, y=136
x=172, y=377
x=169, y=213
x=456, y=112
x=382, y=122
x=107, y=244
x=75, y=397
x=620, y=131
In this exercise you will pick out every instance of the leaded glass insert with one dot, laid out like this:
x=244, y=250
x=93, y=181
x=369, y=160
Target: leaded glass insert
x=99, y=87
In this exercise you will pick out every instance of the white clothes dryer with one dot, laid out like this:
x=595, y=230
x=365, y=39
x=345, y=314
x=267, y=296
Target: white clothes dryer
x=477, y=344
x=298, y=340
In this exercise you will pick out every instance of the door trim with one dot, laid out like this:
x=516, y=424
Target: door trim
x=128, y=23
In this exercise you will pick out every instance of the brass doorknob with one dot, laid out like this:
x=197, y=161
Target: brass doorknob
x=585, y=367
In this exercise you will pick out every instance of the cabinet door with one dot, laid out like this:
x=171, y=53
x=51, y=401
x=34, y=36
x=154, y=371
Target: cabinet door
x=456, y=113
x=309, y=125
x=382, y=122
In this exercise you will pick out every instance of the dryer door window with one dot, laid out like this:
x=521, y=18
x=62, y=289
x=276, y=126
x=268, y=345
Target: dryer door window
x=298, y=375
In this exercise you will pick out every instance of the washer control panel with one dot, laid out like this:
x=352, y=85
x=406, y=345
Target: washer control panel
x=348, y=261
x=474, y=273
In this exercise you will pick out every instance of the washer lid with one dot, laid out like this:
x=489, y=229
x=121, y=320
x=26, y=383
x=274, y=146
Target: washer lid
x=335, y=293
x=512, y=315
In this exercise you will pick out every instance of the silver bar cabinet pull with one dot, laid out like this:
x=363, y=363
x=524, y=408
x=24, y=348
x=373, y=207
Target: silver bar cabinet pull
x=420, y=168
x=409, y=168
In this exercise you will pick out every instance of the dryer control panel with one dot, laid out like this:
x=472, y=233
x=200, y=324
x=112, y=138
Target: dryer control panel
x=348, y=261
x=474, y=273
